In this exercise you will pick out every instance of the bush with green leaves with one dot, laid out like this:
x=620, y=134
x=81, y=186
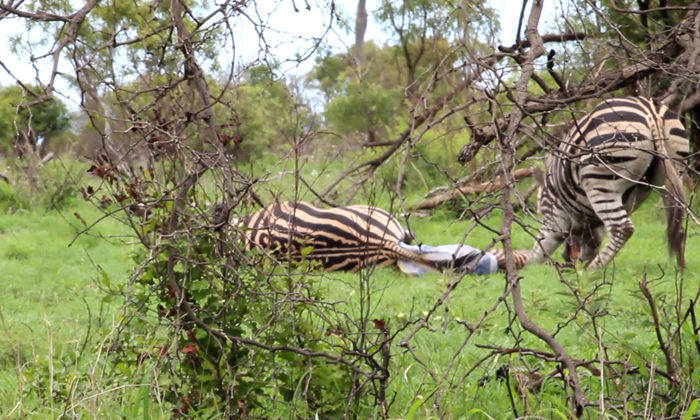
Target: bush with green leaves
x=226, y=331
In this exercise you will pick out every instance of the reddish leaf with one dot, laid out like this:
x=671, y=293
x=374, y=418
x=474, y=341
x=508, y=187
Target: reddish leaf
x=90, y=190
x=120, y=198
x=191, y=336
x=106, y=201
x=190, y=349
x=131, y=189
x=242, y=412
x=380, y=324
x=162, y=351
x=77, y=216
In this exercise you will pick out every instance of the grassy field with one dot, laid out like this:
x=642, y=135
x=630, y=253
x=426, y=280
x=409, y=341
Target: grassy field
x=51, y=301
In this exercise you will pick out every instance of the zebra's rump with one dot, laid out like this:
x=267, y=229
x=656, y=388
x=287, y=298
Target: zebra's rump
x=616, y=140
x=604, y=169
x=342, y=238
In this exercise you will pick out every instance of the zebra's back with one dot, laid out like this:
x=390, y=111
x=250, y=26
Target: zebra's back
x=341, y=239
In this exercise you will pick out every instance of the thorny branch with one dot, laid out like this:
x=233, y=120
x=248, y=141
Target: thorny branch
x=671, y=364
x=506, y=148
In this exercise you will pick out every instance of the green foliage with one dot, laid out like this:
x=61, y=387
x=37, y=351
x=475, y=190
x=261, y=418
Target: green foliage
x=53, y=186
x=263, y=114
x=640, y=28
x=204, y=374
x=410, y=20
x=363, y=107
x=373, y=99
x=211, y=355
x=47, y=119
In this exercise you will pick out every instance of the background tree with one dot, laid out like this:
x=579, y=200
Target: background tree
x=23, y=130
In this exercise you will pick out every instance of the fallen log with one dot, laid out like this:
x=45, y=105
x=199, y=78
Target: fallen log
x=490, y=186
x=517, y=205
x=46, y=159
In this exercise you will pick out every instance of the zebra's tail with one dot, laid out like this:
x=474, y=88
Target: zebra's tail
x=459, y=258
x=674, y=202
x=398, y=253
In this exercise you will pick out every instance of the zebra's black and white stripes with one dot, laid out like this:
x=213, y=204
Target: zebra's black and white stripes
x=520, y=257
x=603, y=170
x=343, y=238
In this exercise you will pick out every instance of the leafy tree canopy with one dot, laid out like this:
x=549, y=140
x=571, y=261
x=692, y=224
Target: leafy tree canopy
x=47, y=119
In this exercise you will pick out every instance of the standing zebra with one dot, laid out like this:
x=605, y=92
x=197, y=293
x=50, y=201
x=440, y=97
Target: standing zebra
x=603, y=170
x=348, y=239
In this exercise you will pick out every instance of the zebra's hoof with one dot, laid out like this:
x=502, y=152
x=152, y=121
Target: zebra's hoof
x=566, y=266
x=594, y=264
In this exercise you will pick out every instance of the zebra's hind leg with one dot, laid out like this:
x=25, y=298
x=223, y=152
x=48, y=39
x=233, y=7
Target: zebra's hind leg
x=548, y=241
x=619, y=226
x=588, y=242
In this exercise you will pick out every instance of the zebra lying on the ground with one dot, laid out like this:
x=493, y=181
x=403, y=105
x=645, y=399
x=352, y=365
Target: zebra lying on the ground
x=603, y=171
x=347, y=239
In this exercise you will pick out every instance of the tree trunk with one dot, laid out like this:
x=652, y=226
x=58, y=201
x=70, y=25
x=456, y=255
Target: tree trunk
x=360, y=29
x=25, y=143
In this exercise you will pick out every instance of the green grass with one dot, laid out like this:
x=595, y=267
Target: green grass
x=48, y=288
x=627, y=332
x=50, y=300
x=46, y=283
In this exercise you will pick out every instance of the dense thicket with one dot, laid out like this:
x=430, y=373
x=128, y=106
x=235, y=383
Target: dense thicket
x=178, y=136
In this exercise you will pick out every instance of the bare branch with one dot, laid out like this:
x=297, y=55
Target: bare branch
x=647, y=11
x=507, y=155
x=38, y=16
x=671, y=363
